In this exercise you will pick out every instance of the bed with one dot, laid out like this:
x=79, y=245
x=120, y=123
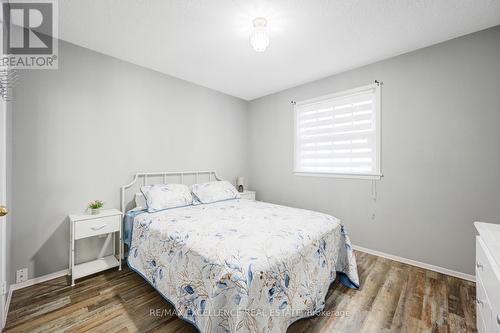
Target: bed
x=239, y=265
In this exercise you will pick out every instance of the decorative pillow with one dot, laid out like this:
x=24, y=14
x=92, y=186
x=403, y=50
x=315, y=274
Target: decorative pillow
x=215, y=191
x=164, y=196
x=140, y=201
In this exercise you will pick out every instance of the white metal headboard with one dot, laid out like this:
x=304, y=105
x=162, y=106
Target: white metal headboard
x=181, y=174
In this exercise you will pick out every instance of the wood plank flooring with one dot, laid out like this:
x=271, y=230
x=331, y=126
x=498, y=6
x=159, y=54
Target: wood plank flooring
x=394, y=297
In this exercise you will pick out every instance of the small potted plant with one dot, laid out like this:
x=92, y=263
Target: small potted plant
x=96, y=206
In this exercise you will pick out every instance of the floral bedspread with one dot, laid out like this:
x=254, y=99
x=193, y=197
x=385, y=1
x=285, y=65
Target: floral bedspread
x=242, y=266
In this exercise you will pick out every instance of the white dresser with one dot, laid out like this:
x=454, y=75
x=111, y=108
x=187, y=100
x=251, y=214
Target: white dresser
x=488, y=277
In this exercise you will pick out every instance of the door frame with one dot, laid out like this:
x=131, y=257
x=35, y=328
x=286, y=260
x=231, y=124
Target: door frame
x=3, y=220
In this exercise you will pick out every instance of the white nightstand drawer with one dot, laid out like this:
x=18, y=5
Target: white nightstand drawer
x=97, y=226
x=249, y=195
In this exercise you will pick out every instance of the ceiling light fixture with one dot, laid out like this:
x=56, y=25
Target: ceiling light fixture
x=259, y=38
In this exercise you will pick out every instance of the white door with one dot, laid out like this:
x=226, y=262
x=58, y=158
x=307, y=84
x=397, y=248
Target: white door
x=3, y=222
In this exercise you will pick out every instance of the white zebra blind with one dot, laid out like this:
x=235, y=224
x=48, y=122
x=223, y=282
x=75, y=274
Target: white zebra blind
x=339, y=133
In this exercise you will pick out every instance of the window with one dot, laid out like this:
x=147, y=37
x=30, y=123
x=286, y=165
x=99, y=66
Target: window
x=339, y=135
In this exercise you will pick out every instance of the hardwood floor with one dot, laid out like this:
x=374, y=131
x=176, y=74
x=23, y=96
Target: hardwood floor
x=394, y=297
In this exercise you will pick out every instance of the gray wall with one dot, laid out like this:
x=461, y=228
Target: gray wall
x=82, y=131
x=440, y=152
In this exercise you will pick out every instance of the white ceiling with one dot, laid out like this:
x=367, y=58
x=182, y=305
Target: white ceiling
x=206, y=42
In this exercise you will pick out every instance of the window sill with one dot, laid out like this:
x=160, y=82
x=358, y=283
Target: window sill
x=339, y=175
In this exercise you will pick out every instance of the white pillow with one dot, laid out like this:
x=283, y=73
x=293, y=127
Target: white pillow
x=164, y=196
x=215, y=191
x=140, y=201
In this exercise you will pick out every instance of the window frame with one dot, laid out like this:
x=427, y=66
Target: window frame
x=378, y=135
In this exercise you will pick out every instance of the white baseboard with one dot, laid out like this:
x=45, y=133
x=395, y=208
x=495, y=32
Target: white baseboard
x=430, y=267
x=39, y=279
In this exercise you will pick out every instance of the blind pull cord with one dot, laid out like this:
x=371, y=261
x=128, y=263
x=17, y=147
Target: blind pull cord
x=374, y=190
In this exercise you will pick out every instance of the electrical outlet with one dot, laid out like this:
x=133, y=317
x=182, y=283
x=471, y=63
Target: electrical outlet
x=373, y=217
x=21, y=275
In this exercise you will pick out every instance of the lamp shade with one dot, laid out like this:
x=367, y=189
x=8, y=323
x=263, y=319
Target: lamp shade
x=239, y=181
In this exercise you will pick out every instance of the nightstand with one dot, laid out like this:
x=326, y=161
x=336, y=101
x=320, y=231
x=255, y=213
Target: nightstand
x=250, y=195
x=109, y=221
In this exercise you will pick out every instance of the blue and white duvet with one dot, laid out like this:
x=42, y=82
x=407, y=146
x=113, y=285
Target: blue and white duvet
x=242, y=266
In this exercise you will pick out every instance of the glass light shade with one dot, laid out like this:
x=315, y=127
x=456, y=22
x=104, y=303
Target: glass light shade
x=259, y=38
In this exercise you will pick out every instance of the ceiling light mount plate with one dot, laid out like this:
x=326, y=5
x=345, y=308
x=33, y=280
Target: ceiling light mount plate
x=259, y=22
